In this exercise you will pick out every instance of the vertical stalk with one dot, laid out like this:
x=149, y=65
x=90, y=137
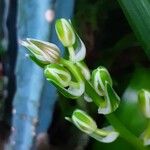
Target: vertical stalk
x=138, y=14
x=125, y=133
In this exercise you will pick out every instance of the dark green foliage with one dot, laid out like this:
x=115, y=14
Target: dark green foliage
x=138, y=15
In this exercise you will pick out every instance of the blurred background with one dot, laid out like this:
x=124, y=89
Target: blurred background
x=31, y=110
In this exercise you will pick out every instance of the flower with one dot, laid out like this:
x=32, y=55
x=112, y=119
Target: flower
x=65, y=32
x=86, y=124
x=44, y=52
x=99, y=78
x=83, y=121
x=61, y=77
x=102, y=84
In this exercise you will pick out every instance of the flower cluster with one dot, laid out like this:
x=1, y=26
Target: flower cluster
x=73, y=78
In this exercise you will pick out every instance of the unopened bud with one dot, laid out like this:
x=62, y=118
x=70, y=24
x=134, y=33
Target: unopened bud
x=83, y=121
x=44, y=52
x=86, y=124
x=99, y=78
x=57, y=74
x=65, y=32
x=62, y=79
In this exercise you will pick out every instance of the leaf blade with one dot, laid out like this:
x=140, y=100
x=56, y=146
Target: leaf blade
x=138, y=15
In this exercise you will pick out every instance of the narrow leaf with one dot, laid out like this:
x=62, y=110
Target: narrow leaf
x=138, y=15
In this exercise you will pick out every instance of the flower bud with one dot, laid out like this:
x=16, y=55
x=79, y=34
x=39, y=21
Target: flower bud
x=102, y=84
x=43, y=52
x=57, y=74
x=99, y=77
x=83, y=121
x=62, y=79
x=144, y=102
x=65, y=32
x=86, y=124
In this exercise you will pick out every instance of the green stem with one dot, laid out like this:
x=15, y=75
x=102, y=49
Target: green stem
x=72, y=68
x=99, y=101
x=71, y=53
x=125, y=133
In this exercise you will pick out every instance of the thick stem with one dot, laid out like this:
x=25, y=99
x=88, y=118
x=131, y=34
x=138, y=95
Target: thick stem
x=91, y=92
x=125, y=133
x=71, y=53
x=72, y=68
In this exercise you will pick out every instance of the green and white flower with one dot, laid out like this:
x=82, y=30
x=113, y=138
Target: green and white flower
x=99, y=78
x=70, y=39
x=65, y=32
x=42, y=52
x=83, y=121
x=62, y=79
x=102, y=83
x=87, y=125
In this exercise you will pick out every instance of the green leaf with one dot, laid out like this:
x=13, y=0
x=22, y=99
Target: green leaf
x=138, y=15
